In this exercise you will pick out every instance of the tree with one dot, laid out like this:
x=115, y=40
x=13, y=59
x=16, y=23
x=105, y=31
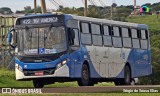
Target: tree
x=94, y=11
x=114, y=5
x=130, y=7
x=19, y=12
x=38, y=9
x=123, y=12
x=27, y=8
x=147, y=4
x=5, y=10
x=61, y=7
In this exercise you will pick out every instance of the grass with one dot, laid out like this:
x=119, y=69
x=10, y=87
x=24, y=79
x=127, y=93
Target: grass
x=151, y=20
x=7, y=79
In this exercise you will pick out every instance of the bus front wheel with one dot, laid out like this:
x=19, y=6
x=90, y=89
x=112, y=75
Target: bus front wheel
x=85, y=77
x=38, y=83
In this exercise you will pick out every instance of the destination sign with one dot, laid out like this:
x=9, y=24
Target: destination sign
x=41, y=20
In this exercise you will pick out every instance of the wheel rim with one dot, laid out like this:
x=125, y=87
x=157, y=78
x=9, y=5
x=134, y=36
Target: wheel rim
x=127, y=76
x=85, y=75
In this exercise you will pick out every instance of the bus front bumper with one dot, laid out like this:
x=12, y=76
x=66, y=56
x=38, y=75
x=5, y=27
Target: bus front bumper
x=60, y=72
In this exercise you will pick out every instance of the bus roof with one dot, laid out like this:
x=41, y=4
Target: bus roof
x=36, y=15
x=111, y=22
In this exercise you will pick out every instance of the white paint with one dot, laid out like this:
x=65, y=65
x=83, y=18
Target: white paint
x=16, y=50
x=61, y=72
x=108, y=61
x=33, y=51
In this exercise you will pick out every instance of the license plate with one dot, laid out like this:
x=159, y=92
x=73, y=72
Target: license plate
x=38, y=73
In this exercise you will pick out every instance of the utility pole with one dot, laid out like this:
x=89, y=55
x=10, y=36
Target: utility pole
x=35, y=6
x=43, y=6
x=85, y=9
x=112, y=10
x=135, y=6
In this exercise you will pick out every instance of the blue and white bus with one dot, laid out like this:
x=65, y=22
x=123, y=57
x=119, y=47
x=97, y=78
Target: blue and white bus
x=62, y=47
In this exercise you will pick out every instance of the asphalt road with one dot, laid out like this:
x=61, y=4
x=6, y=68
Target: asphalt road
x=124, y=89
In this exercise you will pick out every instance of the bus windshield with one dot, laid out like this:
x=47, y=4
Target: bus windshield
x=45, y=40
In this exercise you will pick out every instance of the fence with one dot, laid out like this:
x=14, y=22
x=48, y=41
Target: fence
x=6, y=53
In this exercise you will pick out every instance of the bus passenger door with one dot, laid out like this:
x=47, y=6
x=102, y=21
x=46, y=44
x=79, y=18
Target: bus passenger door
x=115, y=52
x=115, y=61
x=75, y=51
x=94, y=66
x=102, y=60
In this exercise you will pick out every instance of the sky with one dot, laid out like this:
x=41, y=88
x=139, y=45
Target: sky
x=20, y=4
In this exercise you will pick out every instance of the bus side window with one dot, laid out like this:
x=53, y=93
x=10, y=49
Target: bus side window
x=135, y=39
x=126, y=38
x=146, y=34
x=76, y=37
x=107, y=39
x=85, y=27
x=144, y=41
x=129, y=33
x=116, y=31
x=85, y=35
x=73, y=36
x=143, y=34
x=96, y=34
x=117, y=41
x=95, y=29
x=139, y=34
x=134, y=33
x=86, y=39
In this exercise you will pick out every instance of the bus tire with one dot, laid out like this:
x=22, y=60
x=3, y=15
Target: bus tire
x=133, y=82
x=127, y=75
x=119, y=81
x=85, y=77
x=38, y=83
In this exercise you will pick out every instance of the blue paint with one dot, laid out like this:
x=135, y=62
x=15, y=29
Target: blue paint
x=41, y=51
x=140, y=66
x=9, y=37
x=137, y=59
x=42, y=65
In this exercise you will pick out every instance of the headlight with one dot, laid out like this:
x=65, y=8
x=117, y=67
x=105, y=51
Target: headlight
x=64, y=62
x=61, y=64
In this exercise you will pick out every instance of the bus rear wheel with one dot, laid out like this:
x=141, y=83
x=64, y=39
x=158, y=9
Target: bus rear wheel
x=85, y=77
x=127, y=76
x=38, y=83
x=119, y=82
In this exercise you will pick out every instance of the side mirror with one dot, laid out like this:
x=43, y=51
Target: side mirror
x=71, y=35
x=9, y=37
